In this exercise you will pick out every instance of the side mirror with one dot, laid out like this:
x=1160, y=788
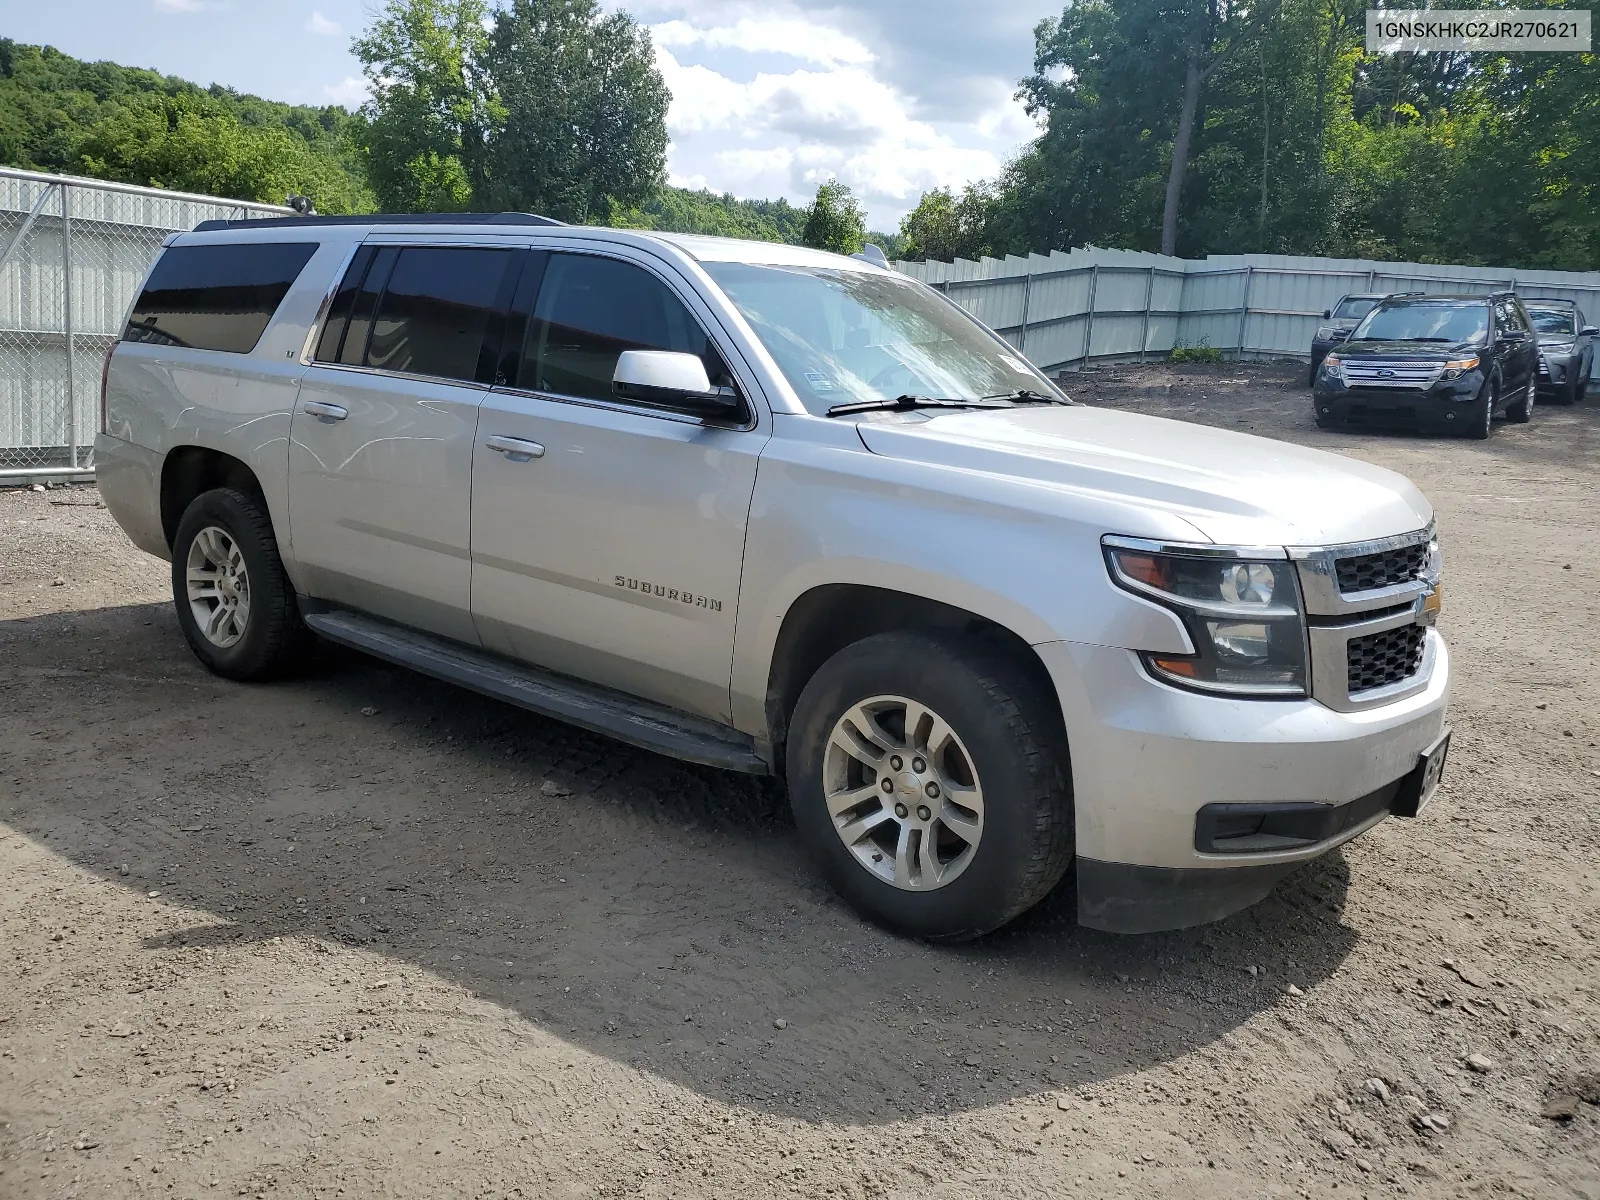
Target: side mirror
x=671, y=379
x=1513, y=335
x=1326, y=313
x=1589, y=331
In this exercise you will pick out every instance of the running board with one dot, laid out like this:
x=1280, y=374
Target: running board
x=626, y=718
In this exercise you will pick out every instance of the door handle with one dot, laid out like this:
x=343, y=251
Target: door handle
x=515, y=449
x=325, y=412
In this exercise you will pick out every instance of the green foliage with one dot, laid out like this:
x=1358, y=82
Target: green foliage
x=1303, y=144
x=679, y=210
x=944, y=226
x=430, y=103
x=546, y=106
x=1201, y=352
x=835, y=221
x=62, y=115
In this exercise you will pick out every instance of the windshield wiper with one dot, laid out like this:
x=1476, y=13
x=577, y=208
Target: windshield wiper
x=1024, y=396
x=907, y=403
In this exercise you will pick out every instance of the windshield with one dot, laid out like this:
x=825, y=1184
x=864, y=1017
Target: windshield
x=1425, y=321
x=1353, y=308
x=1554, y=320
x=846, y=337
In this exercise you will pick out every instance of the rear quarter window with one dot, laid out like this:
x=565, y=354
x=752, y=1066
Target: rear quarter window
x=216, y=297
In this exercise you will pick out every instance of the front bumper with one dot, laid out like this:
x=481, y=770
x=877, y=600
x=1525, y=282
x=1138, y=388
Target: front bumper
x=1147, y=758
x=1446, y=405
x=1555, y=372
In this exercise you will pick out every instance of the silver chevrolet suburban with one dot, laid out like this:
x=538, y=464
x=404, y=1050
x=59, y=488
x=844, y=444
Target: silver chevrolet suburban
x=782, y=511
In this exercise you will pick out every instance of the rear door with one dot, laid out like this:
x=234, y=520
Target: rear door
x=380, y=456
x=608, y=537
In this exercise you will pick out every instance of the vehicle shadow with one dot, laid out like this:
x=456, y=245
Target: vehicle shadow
x=651, y=912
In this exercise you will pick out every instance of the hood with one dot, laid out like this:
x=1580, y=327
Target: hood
x=1375, y=348
x=1232, y=487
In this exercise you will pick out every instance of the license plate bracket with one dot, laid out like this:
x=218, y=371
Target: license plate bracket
x=1417, y=788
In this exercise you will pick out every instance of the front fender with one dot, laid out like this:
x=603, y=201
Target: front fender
x=1011, y=551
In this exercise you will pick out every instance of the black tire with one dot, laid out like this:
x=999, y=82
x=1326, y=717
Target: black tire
x=1482, y=420
x=273, y=641
x=1577, y=388
x=1311, y=377
x=1010, y=728
x=1521, y=412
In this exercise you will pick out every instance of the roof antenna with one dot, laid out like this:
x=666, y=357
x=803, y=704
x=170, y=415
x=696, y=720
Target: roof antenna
x=873, y=254
x=302, y=205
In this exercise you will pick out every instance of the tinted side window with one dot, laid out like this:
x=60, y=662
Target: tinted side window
x=216, y=297
x=438, y=312
x=333, y=328
x=589, y=311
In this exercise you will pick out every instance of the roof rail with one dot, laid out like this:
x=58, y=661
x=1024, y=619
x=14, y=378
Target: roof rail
x=1502, y=292
x=504, y=218
x=1403, y=295
x=1549, y=300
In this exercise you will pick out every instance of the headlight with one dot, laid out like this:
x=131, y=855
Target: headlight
x=1333, y=368
x=1557, y=347
x=1242, y=612
x=1326, y=333
x=1456, y=367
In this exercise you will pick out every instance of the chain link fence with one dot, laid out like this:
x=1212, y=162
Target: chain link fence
x=72, y=253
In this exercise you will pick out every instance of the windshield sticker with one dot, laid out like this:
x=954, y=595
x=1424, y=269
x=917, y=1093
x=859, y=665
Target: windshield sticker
x=819, y=382
x=1014, y=364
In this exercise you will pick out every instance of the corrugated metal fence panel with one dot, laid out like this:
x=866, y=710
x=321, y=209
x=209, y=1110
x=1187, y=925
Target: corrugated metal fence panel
x=50, y=364
x=1255, y=304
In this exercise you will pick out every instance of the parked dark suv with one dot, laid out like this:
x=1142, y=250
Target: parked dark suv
x=1337, y=322
x=1437, y=362
x=1566, y=349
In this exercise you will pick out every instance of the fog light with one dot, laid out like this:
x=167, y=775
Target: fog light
x=1449, y=416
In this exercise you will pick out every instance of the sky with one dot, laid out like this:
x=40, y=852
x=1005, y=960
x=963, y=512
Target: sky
x=891, y=97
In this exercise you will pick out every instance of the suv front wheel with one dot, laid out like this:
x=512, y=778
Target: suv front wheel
x=1481, y=421
x=1521, y=412
x=235, y=604
x=928, y=776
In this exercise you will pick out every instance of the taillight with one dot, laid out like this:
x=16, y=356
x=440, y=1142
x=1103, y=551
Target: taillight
x=105, y=371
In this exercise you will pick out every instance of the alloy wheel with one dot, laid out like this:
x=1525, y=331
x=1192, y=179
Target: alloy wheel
x=902, y=793
x=218, y=587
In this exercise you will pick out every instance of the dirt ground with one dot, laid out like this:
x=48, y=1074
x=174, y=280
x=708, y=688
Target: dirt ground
x=363, y=934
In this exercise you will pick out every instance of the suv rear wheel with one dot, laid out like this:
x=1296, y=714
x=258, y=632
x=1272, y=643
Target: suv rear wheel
x=235, y=604
x=928, y=776
x=1521, y=412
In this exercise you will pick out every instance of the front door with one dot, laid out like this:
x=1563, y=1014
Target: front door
x=380, y=454
x=607, y=537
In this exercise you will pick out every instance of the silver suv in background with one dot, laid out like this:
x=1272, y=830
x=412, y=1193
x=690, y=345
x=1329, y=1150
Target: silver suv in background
x=780, y=511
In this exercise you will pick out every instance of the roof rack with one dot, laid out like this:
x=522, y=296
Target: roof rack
x=1549, y=300
x=1403, y=295
x=504, y=218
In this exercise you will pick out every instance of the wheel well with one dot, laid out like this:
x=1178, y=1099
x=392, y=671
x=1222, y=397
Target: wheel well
x=192, y=470
x=826, y=619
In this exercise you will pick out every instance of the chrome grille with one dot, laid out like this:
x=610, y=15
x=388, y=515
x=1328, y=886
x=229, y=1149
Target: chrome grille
x=1379, y=659
x=1385, y=568
x=1392, y=372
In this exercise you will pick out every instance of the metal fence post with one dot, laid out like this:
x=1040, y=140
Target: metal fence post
x=1027, y=294
x=1088, y=327
x=1144, y=321
x=1244, y=308
x=66, y=324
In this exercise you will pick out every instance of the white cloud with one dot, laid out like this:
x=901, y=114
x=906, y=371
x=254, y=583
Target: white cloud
x=320, y=25
x=178, y=6
x=783, y=133
x=351, y=91
x=790, y=36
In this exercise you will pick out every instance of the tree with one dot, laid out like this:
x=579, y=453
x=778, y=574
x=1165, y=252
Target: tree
x=431, y=103
x=945, y=227
x=63, y=115
x=192, y=145
x=582, y=111
x=835, y=221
